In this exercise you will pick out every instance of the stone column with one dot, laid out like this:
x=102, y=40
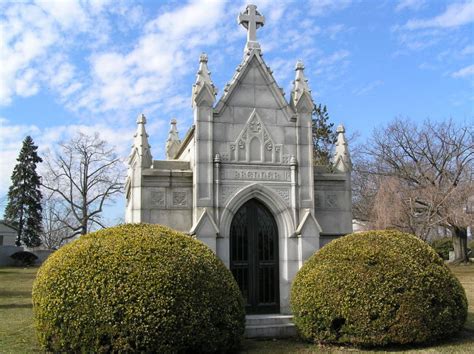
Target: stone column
x=203, y=98
x=302, y=103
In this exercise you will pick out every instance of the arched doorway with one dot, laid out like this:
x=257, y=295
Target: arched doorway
x=254, y=257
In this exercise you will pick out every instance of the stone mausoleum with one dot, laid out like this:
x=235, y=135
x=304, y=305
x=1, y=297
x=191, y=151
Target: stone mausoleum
x=243, y=181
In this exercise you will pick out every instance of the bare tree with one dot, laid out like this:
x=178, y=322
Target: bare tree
x=83, y=176
x=55, y=232
x=422, y=178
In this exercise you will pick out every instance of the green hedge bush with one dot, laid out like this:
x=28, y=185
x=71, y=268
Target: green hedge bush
x=442, y=246
x=137, y=288
x=24, y=258
x=377, y=288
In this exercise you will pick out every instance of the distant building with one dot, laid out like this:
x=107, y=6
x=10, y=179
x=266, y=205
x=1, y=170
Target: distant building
x=8, y=234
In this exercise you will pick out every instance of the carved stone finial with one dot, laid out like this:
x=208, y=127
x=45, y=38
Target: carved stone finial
x=342, y=159
x=172, y=143
x=203, y=58
x=204, y=82
x=141, y=147
x=251, y=20
x=301, y=89
x=340, y=129
x=141, y=119
x=217, y=158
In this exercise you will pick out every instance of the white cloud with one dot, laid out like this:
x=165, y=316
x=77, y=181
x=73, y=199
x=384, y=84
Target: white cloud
x=410, y=5
x=464, y=72
x=367, y=88
x=333, y=58
x=150, y=72
x=421, y=33
x=147, y=72
x=35, y=35
x=456, y=15
x=325, y=7
x=468, y=50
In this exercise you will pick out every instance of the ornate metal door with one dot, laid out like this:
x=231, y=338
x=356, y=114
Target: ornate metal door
x=254, y=257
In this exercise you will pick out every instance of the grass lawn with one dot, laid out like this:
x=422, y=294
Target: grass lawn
x=17, y=332
x=16, y=316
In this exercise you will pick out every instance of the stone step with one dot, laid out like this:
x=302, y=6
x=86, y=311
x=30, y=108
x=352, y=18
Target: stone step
x=255, y=320
x=269, y=326
x=271, y=331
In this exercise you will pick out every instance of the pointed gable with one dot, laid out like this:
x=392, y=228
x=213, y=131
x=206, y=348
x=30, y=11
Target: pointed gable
x=253, y=85
x=309, y=226
x=205, y=226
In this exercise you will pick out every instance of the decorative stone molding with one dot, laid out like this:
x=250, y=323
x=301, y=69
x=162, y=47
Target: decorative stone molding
x=157, y=198
x=255, y=144
x=180, y=199
x=284, y=193
x=331, y=201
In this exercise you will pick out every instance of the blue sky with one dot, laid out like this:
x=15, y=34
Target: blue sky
x=69, y=66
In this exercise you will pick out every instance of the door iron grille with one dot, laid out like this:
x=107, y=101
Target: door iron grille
x=254, y=257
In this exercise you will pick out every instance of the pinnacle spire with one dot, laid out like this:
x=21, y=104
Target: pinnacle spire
x=342, y=158
x=251, y=20
x=172, y=143
x=203, y=80
x=140, y=146
x=300, y=85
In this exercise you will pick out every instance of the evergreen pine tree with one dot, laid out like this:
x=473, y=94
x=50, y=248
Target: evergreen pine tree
x=324, y=136
x=24, y=197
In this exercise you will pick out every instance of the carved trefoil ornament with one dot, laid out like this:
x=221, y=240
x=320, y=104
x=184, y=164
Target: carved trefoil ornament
x=255, y=144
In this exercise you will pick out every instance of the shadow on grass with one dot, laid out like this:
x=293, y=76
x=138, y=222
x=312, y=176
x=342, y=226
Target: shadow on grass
x=461, y=342
x=10, y=293
x=15, y=306
x=15, y=269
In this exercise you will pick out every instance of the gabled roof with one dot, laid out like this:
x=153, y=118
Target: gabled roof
x=8, y=225
x=241, y=72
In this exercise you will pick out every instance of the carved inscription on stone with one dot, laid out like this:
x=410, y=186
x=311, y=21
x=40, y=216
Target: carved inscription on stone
x=157, y=199
x=180, y=199
x=256, y=175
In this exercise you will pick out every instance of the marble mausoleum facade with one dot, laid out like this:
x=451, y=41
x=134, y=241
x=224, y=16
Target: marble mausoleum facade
x=242, y=180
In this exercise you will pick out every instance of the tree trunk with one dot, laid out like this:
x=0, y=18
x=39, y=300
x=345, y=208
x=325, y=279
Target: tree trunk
x=20, y=229
x=460, y=245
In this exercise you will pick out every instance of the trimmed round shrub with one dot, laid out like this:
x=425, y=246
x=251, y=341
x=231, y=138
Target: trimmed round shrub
x=377, y=288
x=442, y=246
x=137, y=288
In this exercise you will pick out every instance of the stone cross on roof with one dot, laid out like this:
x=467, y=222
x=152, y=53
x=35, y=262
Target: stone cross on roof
x=251, y=19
